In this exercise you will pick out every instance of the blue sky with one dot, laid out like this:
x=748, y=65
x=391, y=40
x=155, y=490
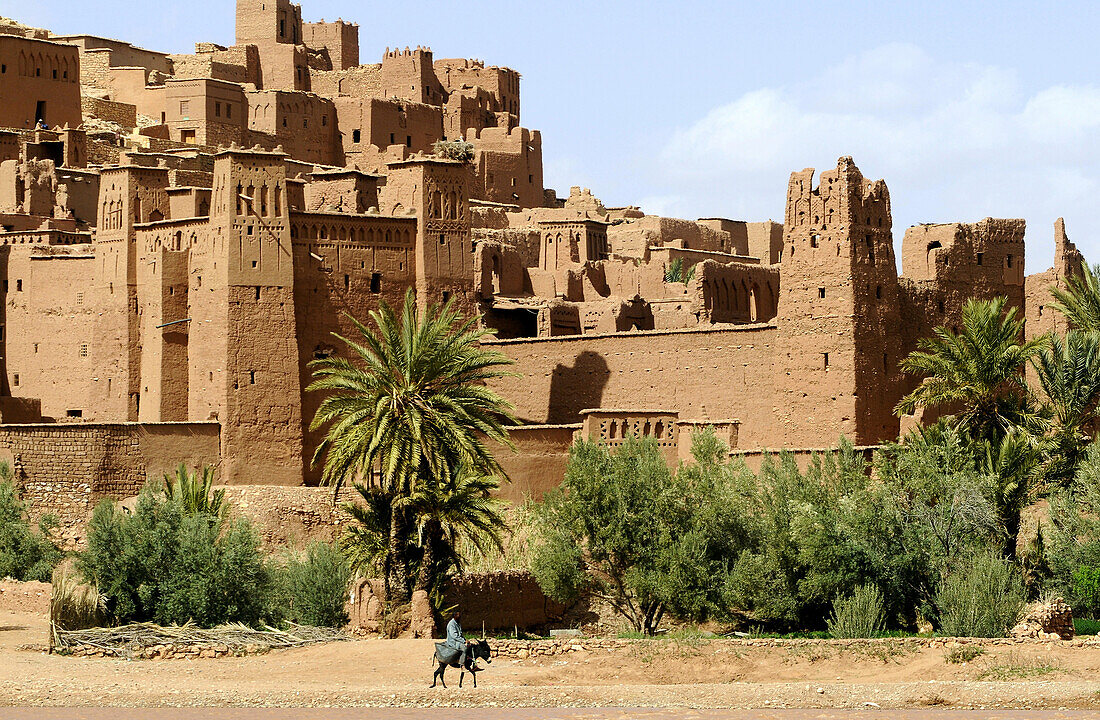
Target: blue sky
x=966, y=109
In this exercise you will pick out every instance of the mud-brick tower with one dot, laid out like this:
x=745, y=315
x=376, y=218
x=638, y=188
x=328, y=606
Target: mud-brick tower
x=243, y=347
x=437, y=191
x=128, y=196
x=838, y=341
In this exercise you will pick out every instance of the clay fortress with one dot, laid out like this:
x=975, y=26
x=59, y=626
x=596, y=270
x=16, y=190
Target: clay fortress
x=188, y=232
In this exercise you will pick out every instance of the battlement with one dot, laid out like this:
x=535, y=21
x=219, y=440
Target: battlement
x=419, y=52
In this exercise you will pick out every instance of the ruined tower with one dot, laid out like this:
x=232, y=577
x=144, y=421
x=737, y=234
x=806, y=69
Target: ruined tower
x=837, y=350
x=265, y=21
x=243, y=343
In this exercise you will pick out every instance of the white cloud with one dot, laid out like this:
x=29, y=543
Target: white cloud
x=954, y=141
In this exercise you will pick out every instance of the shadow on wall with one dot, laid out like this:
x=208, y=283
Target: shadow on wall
x=577, y=387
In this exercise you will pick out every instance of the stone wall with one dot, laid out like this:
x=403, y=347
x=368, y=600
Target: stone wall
x=64, y=470
x=116, y=112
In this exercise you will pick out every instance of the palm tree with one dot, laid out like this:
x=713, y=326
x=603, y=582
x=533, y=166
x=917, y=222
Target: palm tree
x=1013, y=461
x=1069, y=371
x=195, y=492
x=447, y=511
x=979, y=372
x=416, y=405
x=1080, y=300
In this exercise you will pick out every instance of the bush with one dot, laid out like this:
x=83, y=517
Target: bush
x=459, y=150
x=983, y=598
x=858, y=615
x=1086, y=591
x=25, y=554
x=164, y=565
x=313, y=589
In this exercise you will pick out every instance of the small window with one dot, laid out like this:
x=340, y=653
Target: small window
x=408, y=141
x=885, y=363
x=257, y=292
x=826, y=357
x=392, y=140
x=305, y=122
x=1009, y=260
x=940, y=306
x=284, y=122
x=981, y=256
x=356, y=136
x=821, y=293
x=74, y=413
x=347, y=282
x=255, y=264
x=83, y=352
x=80, y=298
x=324, y=121
x=36, y=348
x=446, y=296
x=185, y=108
x=18, y=286
x=1040, y=311
x=376, y=282
x=3, y=69
x=54, y=74
x=217, y=109
x=228, y=110
x=251, y=377
x=249, y=229
x=814, y=239
x=442, y=239
x=15, y=380
x=878, y=292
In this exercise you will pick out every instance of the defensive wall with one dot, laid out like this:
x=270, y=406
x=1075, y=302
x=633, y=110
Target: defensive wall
x=705, y=374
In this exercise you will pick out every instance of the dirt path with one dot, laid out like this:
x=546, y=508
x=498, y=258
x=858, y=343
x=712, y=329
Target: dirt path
x=653, y=674
x=535, y=714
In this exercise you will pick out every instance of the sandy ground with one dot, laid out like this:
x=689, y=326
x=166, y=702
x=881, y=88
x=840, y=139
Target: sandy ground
x=647, y=674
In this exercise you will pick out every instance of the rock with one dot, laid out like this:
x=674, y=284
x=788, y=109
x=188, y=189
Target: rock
x=1045, y=621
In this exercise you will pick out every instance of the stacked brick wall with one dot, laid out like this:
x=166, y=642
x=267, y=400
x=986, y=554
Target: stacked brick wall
x=64, y=470
x=291, y=516
x=95, y=68
x=122, y=113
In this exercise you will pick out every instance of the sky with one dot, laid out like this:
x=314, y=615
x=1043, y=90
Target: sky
x=703, y=108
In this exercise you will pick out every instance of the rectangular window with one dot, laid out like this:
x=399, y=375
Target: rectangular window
x=391, y=139
x=74, y=413
x=981, y=256
x=347, y=282
x=228, y=110
x=255, y=264
x=187, y=136
x=1010, y=261
x=19, y=285
x=185, y=108
x=15, y=380
x=878, y=292
x=257, y=292
x=83, y=352
x=80, y=298
x=826, y=356
x=251, y=377
x=305, y=122
x=217, y=109
x=821, y=292
x=356, y=136
x=376, y=282
x=408, y=141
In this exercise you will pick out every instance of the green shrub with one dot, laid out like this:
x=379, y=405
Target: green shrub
x=858, y=615
x=1086, y=590
x=313, y=588
x=165, y=565
x=983, y=598
x=1084, y=626
x=25, y=553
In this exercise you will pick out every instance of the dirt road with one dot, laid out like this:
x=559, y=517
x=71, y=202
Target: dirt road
x=648, y=674
x=534, y=714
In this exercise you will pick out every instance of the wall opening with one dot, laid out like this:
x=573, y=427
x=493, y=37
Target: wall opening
x=376, y=282
x=40, y=111
x=826, y=358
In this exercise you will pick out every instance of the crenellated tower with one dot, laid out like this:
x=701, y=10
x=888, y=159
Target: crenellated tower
x=838, y=343
x=243, y=345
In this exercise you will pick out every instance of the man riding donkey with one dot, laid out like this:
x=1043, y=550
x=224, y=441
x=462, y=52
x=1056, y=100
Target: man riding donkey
x=455, y=652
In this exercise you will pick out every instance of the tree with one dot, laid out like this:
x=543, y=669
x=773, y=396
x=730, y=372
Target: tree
x=1080, y=300
x=1069, y=371
x=626, y=529
x=416, y=406
x=978, y=372
x=195, y=491
x=675, y=273
x=447, y=510
x=1013, y=462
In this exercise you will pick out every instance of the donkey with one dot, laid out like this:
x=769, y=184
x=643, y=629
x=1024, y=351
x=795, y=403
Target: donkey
x=475, y=650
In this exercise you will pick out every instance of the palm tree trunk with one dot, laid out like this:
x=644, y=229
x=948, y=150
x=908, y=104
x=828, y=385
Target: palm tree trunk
x=1012, y=531
x=424, y=574
x=399, y=580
